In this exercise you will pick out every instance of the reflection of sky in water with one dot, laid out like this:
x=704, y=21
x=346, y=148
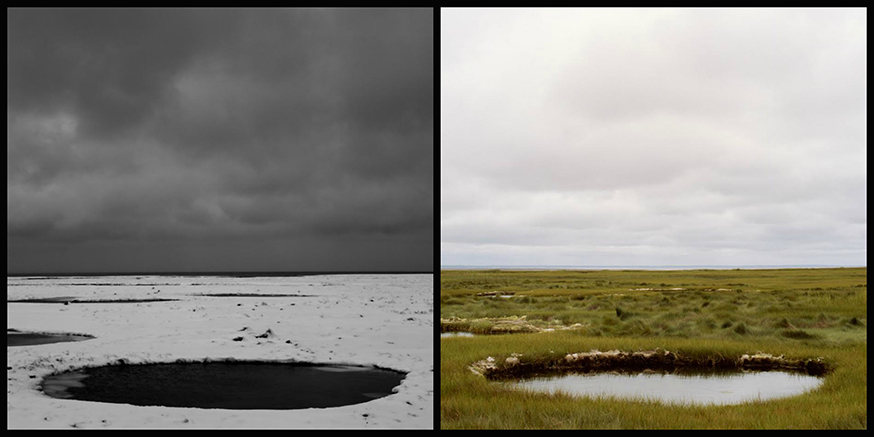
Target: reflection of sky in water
x=720, y=389
x=455, y=334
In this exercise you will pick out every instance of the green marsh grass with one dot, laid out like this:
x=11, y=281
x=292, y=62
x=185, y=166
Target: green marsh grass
x=799, y=313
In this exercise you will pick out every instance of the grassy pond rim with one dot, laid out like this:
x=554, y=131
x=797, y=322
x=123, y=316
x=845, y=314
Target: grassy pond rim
x=518, y=366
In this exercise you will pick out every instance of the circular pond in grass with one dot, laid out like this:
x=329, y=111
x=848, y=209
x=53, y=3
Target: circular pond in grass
x=229, y=385
x=686, y=386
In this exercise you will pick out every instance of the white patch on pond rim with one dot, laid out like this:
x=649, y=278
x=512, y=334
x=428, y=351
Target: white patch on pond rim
x=60, y=383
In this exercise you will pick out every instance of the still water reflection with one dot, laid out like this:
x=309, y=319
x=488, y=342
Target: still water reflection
x=702, y=388
x=455, y=334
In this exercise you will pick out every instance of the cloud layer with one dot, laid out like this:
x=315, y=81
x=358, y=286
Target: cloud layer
x=653, y=137
x=195, y=139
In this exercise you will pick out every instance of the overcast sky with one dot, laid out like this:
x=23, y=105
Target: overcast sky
x=653, y=137
x=219, y=140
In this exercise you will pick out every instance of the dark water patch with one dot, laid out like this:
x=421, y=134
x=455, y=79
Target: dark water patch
x=57, y=299
x=229, y=385
x=18, y=338
x=69, y=300
x=682, y=386
x=95, y=284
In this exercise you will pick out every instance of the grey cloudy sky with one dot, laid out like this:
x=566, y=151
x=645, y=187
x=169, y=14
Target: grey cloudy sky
x=224, y=139
x=653, y=137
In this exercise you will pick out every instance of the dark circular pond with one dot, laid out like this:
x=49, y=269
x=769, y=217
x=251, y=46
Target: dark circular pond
x=228, y=385
x=33, y=338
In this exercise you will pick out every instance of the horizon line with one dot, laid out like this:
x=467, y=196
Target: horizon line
x=244, y=273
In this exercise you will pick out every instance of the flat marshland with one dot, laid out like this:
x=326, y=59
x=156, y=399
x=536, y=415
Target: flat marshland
x=534, y=319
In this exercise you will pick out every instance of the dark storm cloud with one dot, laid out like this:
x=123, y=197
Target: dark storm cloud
x=111, y=67
x=137, y=125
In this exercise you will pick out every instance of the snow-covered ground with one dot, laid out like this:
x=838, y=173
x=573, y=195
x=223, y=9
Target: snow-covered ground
x=381, y=320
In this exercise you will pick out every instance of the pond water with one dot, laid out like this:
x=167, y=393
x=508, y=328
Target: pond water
x=56, y=299
x=712, y=388
x=32, y=338
x=229, y=385
x=455, y=334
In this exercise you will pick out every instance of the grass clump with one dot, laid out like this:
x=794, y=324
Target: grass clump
x=741, y=328
x=623, y=314
x=798, y=334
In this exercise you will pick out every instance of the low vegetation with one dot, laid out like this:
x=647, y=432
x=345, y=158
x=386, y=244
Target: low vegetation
x=542, y=316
